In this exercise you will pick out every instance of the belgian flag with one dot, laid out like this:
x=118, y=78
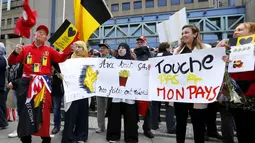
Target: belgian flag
x=89, y=15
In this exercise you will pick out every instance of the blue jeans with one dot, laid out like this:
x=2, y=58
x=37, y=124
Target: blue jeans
x=57, y=106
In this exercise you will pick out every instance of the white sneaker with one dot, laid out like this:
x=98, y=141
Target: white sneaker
x=110, y=141
x=13, y=134
x=99, y=130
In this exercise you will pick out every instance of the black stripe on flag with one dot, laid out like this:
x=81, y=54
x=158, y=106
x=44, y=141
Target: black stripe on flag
x=97, y=9
x=59, y=32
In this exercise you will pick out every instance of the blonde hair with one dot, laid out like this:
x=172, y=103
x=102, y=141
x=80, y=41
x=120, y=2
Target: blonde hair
x=84, y=49
x=197, y=42
x=250, y=26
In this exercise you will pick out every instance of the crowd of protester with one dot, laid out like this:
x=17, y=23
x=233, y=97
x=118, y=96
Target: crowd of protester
x=14, y=72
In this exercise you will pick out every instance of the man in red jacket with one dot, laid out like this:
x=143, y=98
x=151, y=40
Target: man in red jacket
x=33, y=91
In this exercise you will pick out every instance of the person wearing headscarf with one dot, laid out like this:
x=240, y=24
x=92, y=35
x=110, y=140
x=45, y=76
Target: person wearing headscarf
x=3, y=67
x=126, y=107
x=76, y=115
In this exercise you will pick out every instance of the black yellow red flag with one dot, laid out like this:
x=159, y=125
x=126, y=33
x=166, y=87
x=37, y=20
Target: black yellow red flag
x=66, y=34
x=89, y=15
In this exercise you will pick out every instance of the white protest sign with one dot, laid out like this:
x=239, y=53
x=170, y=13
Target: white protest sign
x=193, y=78
x=126, y=79
x=242, y=58
x=79, y=77
x=162, y=30
x=171, y=29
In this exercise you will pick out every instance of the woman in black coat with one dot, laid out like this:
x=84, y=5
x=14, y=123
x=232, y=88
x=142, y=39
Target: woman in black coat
x=118, y=107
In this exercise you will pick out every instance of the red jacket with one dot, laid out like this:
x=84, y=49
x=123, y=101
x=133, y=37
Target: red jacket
x=37, y=60
x=249, y=76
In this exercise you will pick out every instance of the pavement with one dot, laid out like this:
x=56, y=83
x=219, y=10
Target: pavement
x=160, y=135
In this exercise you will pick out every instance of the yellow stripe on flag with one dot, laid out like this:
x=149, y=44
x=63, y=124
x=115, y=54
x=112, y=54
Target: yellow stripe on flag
x=85, y=22
x=39, y=97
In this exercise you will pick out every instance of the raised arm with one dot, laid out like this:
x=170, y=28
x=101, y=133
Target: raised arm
x=17, y=56
x=60, y=57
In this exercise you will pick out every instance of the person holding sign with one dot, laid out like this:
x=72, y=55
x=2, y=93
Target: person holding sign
x=143, y=53
x=33, y=91
x=244, y=113
x=190, y=41
x=77, y=115
x=118, y=107
x=102, y=101
x=163, y=50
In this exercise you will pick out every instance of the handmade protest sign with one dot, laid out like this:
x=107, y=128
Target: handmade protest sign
x=192, y=78
x=64, y=36
x=126, y=79
x=170, y=30
x=79, y=77
x=242, y=58
x=241, y=40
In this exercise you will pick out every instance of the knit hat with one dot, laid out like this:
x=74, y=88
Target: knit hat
x=2, y=49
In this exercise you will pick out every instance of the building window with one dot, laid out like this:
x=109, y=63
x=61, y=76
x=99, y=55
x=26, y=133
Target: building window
x=149, y=3
x=175, y=2
x=161, y=2
x=16, y=19
x=126, y=6
x=115, y=7
x=188, y=1
x=202, y=0
x=137, y=4
x=3, y=23
x=9, y=21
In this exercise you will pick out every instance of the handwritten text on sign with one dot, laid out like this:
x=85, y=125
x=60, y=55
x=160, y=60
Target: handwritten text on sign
x=125, y=79
x=79, y=78
x=194, y=78
x=242, y=58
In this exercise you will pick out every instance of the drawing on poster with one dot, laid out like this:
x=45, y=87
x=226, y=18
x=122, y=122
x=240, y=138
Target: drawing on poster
x=123, y=77
x=87, y=78
x=237, y=64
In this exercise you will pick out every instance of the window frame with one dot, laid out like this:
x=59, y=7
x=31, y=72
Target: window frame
x=126, y=3
x=165, y=3
x=138, y=2
x=174, y=2
x=190, y=1
x=112, y=7
x=148, y=3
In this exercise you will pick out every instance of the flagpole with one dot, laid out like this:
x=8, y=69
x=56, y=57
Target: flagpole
x=64, y=10
x=20, y=40
x=1, y=16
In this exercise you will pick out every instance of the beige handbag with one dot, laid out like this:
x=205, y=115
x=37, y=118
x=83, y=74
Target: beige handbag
x=11, y=99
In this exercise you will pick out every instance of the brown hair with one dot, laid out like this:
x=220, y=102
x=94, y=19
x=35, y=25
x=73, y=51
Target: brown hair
x=163, y=46
x=250, y=26
x=197, y=42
